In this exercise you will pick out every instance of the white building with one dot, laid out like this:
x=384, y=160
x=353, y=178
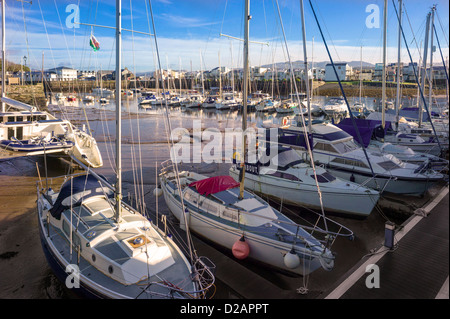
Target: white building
x=64, y=73
x=344, y=72
x=36, y=76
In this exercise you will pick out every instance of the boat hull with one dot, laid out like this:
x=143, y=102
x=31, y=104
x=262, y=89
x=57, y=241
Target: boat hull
x=360, y=206
x=224, y=235
x=388, y=184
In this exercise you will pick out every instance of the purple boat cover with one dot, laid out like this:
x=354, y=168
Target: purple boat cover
x=365, y=127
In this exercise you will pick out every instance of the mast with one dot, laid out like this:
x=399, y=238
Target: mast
x=312, y=69
x=383, y=87
x=360, y=76
x=220, y=79
x=424, y=66
x=308, y=103
x=201, y=74
x=430, y=90
x=118, y=193
x=397, y=102
x=3, y=55
x=247, y=18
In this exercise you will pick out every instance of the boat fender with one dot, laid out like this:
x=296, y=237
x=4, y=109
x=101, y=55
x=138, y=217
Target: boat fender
x=352, y=178
x=285, y=121
x=291, y=259
x=157, y=191
x=241, y=249
x=326, y=262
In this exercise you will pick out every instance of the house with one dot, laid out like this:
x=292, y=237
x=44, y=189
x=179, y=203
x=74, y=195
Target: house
x=126, y=74
x=64, y=73
x=86, y=75
x=408, y=72
x=344, y=72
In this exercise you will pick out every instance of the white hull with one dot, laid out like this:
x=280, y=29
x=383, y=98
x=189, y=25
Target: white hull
x=386, y=184
x=261, y=249
x=361, y=204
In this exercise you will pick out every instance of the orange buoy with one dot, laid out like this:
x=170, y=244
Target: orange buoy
x=241, y=249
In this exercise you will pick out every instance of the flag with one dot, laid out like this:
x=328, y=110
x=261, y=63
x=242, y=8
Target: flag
x=94, y=43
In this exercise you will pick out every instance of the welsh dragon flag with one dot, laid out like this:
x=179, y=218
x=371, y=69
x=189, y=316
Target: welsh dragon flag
x=94, y=43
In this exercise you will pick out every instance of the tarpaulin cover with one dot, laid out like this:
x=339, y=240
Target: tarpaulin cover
x=365, y=127
x=214, y=184
x=75, y=190
x=413, y=113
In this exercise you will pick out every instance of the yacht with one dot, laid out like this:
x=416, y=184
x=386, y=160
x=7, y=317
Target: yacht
x=32, y=132
x=286, y=177
x=370, y=129
x=248, y=227
x=335, y=105
x=209, y=103
x=267, y=105
x=337, y=151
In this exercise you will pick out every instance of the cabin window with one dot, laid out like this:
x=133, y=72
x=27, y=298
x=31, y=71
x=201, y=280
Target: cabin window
x=276, y=174
x=76, y=240
x=389, y=165
x=291, y=177
x=1, y=119
x=344, y=147
x=209, y=206
x=325, y=177
x=66, y=228
x=11, y=119
x=19, y=118
x=325, y=147
x=328, y=176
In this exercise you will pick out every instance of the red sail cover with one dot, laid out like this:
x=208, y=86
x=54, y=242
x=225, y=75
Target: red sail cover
x=214, y=184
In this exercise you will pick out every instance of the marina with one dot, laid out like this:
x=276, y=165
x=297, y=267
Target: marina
x=147, y=189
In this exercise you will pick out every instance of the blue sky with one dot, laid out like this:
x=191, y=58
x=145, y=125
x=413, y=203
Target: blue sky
x=188, y=28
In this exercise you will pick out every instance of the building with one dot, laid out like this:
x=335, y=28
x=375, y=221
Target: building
x=365, y=75
x=344, y=72
x=438, y=72
x=318, y=74
x=408, y=72
x=64, y=73
x=86, y=75
x=214, y=73
x=258, y=72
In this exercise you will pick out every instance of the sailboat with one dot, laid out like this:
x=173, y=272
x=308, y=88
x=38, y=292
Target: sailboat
x=338, y=152
x=219, y=209
x=114, y=249
x=404, y=133
x=26, y=131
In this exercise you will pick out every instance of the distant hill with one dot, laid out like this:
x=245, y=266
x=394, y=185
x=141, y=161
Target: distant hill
x=13, y=67
x=299, y=64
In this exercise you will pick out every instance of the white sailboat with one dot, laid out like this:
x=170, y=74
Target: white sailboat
x=219, y=209
x=288, y=178
x=116, y=251
x=341, y=156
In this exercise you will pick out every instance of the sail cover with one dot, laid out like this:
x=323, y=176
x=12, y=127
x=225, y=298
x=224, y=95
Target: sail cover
x=75, y=190
x=367, y=128
x=214, y=184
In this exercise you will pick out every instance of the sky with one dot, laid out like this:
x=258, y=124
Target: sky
x=188, y=32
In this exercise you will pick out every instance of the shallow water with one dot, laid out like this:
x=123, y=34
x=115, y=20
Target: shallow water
x=144, y=147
